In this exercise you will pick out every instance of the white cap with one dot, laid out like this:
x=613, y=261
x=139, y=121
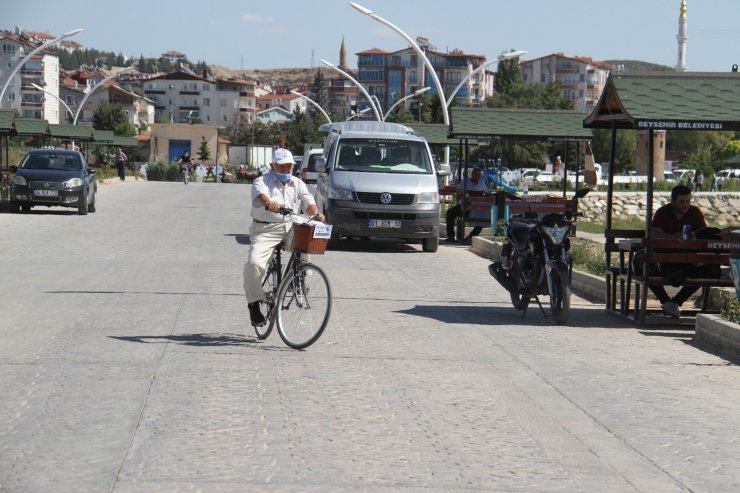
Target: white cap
x=282, y=156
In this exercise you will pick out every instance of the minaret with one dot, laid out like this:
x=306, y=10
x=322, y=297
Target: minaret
x=343, y=56
x=682, y=37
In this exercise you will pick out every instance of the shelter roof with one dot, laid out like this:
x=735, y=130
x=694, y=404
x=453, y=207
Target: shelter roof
x=6, y=121
x=76, y=132
x=122, y=141
x=103, y=136
x=30, y=126
x=434, y=133
x=669, y=101
x=516, y=124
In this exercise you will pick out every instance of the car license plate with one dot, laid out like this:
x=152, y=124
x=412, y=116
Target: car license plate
x=46, y=193
x=384, y=224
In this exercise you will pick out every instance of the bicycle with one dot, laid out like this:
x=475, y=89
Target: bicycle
x=298, y=297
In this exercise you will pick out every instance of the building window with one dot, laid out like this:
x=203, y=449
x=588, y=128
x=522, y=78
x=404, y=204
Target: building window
x=222, y=102
x=9, y=49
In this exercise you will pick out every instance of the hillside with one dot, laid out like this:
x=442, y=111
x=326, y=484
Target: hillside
x=288, y=75
x=640, y=66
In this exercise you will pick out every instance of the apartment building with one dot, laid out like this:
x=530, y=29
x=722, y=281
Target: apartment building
x=42, y=69
x=390, y=76
x=181, y=95
x=581, y=79
x=289, y=102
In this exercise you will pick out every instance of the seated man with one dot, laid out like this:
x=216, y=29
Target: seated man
x=475, y=185
x=668, y=222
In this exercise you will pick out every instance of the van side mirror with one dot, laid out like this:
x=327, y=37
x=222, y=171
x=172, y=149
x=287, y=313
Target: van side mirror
x=321, y=164
x=443, y=169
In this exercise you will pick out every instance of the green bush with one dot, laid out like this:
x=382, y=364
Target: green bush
x=588, y=256
x=731, y=310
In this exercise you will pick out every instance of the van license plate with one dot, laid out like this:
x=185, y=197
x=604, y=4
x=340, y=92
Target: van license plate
x=384, y=224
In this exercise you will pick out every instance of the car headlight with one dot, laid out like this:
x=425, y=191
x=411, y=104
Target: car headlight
x=428, y=198
x=340, y=194
x=73, y=183
x=20, y=181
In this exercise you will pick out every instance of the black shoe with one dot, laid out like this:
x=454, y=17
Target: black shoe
x=255, y=314
x=450, y=239
x=467, y=240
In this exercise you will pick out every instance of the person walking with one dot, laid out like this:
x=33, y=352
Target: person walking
x=121, y=160
x=698, y=181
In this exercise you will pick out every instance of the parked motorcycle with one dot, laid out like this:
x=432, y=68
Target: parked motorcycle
x=535, y=260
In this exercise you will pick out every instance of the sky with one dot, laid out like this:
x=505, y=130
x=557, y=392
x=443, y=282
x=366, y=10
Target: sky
x=251, y=34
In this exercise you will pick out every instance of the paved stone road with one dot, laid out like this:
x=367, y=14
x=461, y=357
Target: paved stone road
x=126, y=365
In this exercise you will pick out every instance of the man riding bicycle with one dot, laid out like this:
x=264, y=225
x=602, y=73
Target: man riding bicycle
x=271, y=191
x=184, y=163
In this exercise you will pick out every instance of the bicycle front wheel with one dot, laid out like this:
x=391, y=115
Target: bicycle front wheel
x=303, y=306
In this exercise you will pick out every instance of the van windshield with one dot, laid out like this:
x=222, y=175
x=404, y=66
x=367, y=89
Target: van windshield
x=383, y=156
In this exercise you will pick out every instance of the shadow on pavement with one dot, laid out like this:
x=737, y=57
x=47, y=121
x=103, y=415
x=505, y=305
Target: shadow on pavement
x=200, y=340
x=382, y=245
x=507, y=315
x=240, y=238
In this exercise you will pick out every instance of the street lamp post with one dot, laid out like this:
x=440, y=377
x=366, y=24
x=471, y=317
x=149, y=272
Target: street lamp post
x=45, y=91
x=92, y=89
x=413, y=94
x=501, y=58
x=359, y=86
x=419, y=51
x=296, y=93
x=32, y=53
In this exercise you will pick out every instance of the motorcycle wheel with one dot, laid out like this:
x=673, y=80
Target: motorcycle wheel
x=519, y=301
x=560, y=297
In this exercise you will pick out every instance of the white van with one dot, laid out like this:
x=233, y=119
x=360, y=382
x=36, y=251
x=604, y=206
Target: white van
x=378, y=179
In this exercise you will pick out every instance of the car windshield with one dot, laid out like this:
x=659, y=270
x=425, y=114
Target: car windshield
x=383, y=156
x=52, y=161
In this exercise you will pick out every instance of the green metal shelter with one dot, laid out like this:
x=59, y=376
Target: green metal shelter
x=30, y=127
x=515, y=124
x=103, y=137
x=6, y=127
x=76, y=133
x=437, y=134
x=664, y=101
x=124, y=142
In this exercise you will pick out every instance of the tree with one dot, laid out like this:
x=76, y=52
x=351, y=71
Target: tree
x=204, y=153
x=508, y=75
x=111, y=116
x=625, y=149
x=531, y=96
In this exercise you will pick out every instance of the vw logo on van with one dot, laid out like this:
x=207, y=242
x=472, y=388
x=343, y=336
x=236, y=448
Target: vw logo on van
x=385, y=198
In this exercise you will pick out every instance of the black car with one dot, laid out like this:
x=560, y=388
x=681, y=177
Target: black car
x=53, y=177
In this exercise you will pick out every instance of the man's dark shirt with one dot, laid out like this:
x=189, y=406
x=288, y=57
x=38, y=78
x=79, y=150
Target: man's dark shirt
x=666, y=220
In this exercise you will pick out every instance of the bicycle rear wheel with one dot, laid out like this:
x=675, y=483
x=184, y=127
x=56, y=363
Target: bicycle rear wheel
x=270, y=286
x=303, y=306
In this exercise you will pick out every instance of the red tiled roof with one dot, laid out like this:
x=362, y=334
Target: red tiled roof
x=270, y=97
x=373, y=51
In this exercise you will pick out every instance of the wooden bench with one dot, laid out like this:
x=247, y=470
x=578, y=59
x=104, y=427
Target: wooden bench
x=473, y=203
x=674, y=251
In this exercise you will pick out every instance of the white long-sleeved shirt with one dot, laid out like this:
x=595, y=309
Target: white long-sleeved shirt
x=294, y=195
